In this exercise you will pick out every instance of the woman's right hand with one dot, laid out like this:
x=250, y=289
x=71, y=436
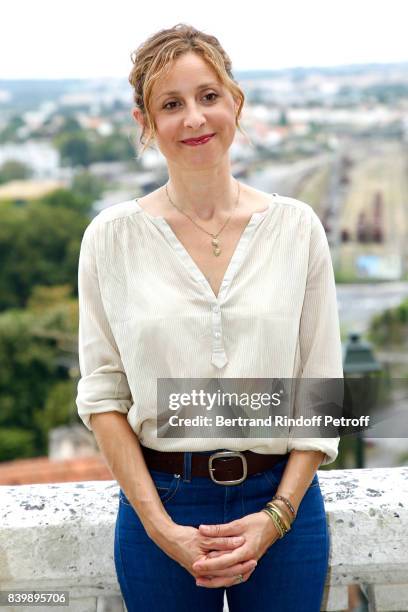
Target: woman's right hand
x=186, y=545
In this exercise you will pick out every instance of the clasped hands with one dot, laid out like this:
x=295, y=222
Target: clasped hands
x=216, y=555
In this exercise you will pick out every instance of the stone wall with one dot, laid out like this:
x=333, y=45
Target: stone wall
x=60, y=537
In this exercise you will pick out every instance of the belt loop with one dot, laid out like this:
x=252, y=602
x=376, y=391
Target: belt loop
x=187, y=467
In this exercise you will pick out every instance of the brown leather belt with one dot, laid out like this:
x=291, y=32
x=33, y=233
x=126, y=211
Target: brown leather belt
x=223, y=467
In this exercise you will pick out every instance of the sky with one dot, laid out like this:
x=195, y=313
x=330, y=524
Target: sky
x=55, y=39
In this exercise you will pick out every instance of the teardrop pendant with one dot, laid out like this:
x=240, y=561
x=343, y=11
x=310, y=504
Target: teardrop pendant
x=214, y=242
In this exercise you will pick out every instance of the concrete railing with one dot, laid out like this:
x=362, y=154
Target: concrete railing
x=60, y=537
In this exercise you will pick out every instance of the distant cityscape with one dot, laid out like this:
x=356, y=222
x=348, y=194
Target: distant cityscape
x=334, y=137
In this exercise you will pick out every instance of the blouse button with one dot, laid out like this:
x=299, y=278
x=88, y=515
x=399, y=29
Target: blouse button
x=216, y=309
x=217, y=334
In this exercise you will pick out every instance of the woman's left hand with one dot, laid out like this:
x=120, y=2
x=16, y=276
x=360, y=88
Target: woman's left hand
x=260, y=533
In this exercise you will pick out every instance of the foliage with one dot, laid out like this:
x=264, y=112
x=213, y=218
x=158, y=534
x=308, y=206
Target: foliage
x=74, y=148
x=59, y=409
x=283, y=119
x=82, y=147
x=16, y=443
x=70, y=200
x=115, y=147
x=39, y=250
x=9, y=132
x=346, y=457
x=39, y=245
x=13, y=170
x=36, y=394
x=88, y=186
x=390, y=328
x=70, y=125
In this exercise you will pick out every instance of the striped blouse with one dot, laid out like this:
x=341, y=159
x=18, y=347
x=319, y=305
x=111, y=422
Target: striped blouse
x=146, y=311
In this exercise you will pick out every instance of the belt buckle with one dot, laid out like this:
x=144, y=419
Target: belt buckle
x=219, y=454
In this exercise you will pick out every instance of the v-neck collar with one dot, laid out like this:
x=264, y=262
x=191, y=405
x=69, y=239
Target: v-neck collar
x=195, y=271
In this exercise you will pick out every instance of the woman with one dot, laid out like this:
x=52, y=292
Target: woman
x=205, y=278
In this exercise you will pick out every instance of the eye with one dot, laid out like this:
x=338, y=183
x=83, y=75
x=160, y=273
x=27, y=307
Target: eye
x=167, y=104
x=211, y=94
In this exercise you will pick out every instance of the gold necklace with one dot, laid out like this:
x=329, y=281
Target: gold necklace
x=214, y=237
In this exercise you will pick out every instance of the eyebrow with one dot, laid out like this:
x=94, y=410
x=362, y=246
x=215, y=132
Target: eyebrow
x=174, y=92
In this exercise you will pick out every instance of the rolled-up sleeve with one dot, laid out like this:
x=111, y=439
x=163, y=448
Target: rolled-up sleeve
x=103, y=386
x=319, y=332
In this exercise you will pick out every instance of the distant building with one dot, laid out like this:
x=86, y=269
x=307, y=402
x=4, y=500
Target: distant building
x=100, y=125
x=41, y=157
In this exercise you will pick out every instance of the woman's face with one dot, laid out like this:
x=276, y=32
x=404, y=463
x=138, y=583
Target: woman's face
x=189, y=102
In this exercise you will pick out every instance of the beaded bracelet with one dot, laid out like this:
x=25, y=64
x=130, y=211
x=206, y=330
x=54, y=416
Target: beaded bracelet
x=287, y=502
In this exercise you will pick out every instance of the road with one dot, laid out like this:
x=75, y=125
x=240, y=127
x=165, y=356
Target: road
x=359, y=302
x=282, y=178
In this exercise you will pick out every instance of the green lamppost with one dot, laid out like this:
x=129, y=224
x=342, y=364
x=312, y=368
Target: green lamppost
x=359, y=362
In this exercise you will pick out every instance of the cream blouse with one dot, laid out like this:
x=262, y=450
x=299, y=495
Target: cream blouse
x=146, y=311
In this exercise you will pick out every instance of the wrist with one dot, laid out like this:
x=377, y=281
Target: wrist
x=286, y=503
x=282, y=506
x=160, y=527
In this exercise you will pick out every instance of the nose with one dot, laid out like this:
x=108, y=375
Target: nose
x=194, y=118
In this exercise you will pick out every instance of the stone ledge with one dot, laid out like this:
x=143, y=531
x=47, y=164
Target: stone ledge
x=60, y=536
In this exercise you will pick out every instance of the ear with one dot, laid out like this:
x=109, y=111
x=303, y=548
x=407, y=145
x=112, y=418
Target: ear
x=236, y=106
x=138, y=116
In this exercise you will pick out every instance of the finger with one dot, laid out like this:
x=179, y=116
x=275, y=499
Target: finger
x=205, y=566
x=226, y=529
x=214, y=582
x=222, y=543
x=210, y=555
x=235, y=570
x=217, y=553
x=213, y=553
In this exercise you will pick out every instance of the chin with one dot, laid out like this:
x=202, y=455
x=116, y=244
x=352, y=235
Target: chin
x=194, y=164
x=206, y=157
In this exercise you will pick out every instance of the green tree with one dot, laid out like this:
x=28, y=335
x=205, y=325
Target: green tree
x=390, y=328
x=35, y=394
x=13, y=170
x=27, y=371
x=88, y=186
x=115, y=147
x=75, y=148
x=70, y=125
x=59, y=409
x=9, y=132
x=283, y=118
x=73, y=200
x=39, y=245
x=16, y=443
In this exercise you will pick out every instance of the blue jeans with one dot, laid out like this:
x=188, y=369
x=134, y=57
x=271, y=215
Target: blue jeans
x=288, y=578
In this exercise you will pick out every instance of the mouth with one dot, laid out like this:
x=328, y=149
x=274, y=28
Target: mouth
x=192, y=142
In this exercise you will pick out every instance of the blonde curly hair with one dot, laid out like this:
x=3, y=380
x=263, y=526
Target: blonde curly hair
x=153, y=58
